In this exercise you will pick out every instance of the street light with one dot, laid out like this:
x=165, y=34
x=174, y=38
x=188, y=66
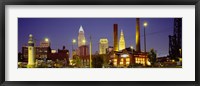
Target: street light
x=145, y=25
x=73, y=43
x=46, y=39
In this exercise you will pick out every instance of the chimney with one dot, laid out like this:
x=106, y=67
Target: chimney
x=137, y=37
x=115, y=33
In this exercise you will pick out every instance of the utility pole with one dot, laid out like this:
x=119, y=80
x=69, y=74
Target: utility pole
x=90, y=51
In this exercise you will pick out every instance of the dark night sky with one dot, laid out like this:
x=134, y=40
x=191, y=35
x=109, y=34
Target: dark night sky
x=61, y=31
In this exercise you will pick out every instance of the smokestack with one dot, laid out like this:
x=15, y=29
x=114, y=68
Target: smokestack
x=115, y=37
x=137, y=37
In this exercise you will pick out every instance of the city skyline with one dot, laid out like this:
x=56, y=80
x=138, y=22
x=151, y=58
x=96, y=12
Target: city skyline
x=61, y=31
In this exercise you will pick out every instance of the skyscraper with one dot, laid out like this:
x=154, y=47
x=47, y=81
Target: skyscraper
x=115, y=37
x=103, y=45
x=122, y=44
x=31, y=52
x=81, y=37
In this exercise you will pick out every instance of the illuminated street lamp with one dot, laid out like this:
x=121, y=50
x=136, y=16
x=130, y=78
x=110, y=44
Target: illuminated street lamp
x=73, y=43
x=145, y=25
x=46, y=40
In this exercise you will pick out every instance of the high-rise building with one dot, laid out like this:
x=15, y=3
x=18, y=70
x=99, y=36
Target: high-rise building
x=115, y=37
x=103, y=44
x=31, y=52
x=81, y=37
x=175, y=40
x=137, y=35
x=122, y=43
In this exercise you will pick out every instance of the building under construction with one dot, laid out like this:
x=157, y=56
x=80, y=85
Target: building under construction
x=175, y=40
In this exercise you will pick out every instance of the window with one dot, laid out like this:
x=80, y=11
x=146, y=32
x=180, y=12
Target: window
x=127, y=59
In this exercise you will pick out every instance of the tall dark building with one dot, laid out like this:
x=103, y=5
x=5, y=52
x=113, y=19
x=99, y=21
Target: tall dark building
x=175, y=40
x=137, y=35
x=115, y=35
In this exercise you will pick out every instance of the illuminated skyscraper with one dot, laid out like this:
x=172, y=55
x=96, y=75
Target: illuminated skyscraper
x=81, y=37
x=31, y=52
x=103, y=45
x=115, y=37
x=122, y=44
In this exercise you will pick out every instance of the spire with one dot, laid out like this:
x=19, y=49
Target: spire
x=81, y=29
x=122, y=44
x=81, y=37
x=122, y=32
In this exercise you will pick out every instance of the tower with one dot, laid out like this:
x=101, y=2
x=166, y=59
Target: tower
x=122, y=44
x=103, y=45
x=81, y=37
x=137, y=35
x=31, y=52
x=115, y=36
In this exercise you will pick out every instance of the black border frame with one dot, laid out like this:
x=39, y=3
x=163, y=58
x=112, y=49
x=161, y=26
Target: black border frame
x=98, y=2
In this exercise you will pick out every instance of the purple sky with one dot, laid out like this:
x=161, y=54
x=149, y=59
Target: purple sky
x=61, y=31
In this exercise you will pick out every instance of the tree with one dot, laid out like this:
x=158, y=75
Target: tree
x=105, y=60
x=152, y=56
x=20, y=57
x=77, y=61
x=97, y=61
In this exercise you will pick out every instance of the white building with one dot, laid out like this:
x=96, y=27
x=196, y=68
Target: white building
x=81, y=37
x=103, y=45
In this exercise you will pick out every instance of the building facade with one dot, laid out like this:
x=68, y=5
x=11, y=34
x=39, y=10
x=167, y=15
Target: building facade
x=103, y=45
x=61, y=55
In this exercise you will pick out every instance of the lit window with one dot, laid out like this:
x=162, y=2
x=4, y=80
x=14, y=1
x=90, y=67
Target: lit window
x=115, y=63
x=128, y=59
x=122, y=59
x=127, y=62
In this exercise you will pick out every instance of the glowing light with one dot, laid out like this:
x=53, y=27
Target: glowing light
x=122, y=59
x=74, y=41
x=124, y=55
x=131, y=47
x=115, y=63
x=148, y=63
x=84, y=41
x=46, y=40
x=145, y=24
x=128, y=59
x=127, y=62
x=180, y=59
x=30, y=35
